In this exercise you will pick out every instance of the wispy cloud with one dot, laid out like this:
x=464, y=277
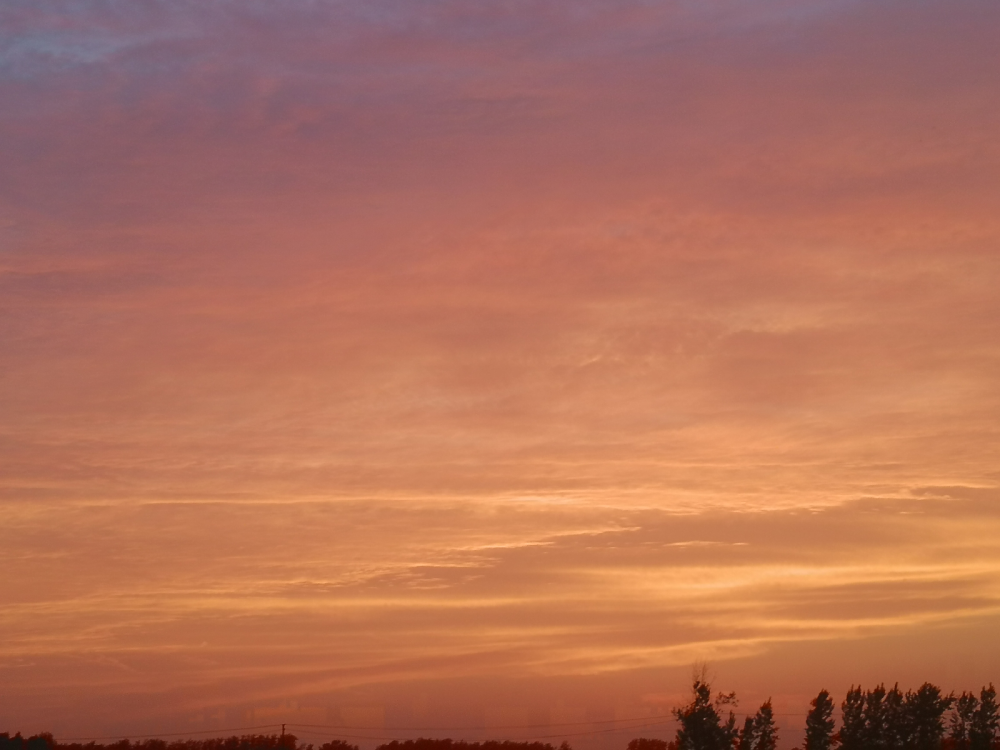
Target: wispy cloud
x=371, y=351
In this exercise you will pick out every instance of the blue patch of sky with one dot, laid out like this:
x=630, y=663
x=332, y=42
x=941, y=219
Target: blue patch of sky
x=67, y=35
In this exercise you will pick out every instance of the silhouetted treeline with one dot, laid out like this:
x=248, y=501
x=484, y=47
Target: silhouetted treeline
x=17, y=742
x=877, y=719
x=644, y=743
x=245, y=742
x=429, y=744
x=262, y=742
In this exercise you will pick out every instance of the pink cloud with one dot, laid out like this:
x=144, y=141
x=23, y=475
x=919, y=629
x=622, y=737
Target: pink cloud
x=351, y=354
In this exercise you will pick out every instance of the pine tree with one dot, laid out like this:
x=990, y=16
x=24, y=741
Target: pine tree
x=897, y=724
x=985, y=721
x=925, y=712
x=819, y=723
x=852, y=725
x=765, y=733
x=874, y=718
x=747, y=737
x=960, y=724
x=701, y=727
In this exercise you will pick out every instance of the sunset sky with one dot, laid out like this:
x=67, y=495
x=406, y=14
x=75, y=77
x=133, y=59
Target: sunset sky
x=473, y=365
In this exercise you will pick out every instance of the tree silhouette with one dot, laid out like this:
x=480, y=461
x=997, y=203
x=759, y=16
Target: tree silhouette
x=897, y=722
x=960, y=724
x=852, y=723
x=644, y=743
x=986, y=720
x=819, y=723
x=874, y=717
x=701, y=727
x=925, y=712
x=425, y=743
x=765, y=733
x=245, y=742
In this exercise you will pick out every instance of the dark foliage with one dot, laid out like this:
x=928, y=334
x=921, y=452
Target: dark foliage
x=985, y=721
x=960, y=725
x=431, y=744
x=42, y=741
x=765, y=733
x=876, y=719
x=888, y=720
x=643, y=743
x=759, y=732
x=852, y=726
x=245, y=742
x=897, y=722
x=925, y=717
x=820, y=723
x=701, y=726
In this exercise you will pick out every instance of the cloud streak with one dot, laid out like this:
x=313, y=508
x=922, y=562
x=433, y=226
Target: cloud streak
x=407, y=360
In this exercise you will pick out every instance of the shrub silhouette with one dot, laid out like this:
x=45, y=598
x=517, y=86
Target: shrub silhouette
x=643, y=743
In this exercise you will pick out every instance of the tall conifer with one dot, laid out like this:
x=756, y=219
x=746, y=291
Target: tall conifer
x=852, y=724
x=765, y=733
x=925, y=711
x=874, y=717
x=897, y=724
x=986, y=720
x=701, y=727
x=960, y=725
x=819, y=723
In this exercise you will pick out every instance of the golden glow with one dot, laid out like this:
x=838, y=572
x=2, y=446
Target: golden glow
x=441, y=366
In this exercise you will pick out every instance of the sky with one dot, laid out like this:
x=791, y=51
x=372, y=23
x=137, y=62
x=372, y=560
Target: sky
x=481, y=368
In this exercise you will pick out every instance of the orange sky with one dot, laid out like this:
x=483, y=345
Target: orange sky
x=460, y=364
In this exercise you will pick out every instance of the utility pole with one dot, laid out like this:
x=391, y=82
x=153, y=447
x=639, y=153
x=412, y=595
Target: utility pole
x=282, y=731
